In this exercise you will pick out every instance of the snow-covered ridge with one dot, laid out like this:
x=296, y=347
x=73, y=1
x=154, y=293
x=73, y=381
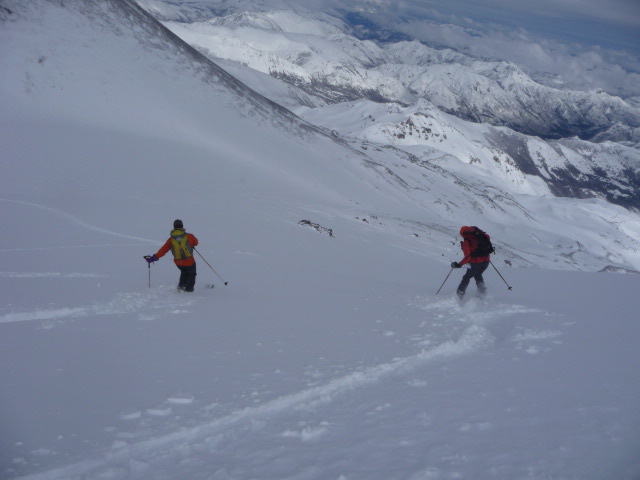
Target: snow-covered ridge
x=334, y=61
x=570, y=167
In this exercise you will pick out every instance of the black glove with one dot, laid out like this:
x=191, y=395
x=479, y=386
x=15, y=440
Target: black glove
x=455, y=265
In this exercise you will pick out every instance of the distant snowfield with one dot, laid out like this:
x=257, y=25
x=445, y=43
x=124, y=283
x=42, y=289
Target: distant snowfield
x=324, y=357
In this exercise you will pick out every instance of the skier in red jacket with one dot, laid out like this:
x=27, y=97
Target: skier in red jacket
x=181, y=245
x=477, y=260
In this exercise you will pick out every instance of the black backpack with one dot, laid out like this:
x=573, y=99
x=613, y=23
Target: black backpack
x=483, y=244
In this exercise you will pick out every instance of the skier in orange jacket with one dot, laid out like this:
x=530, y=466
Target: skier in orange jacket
x=181, y=245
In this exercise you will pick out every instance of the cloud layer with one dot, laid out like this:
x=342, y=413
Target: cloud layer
x=579, y=44
x=572, y=64
x=584, y=44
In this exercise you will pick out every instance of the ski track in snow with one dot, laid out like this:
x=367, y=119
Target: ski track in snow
x=467, y=331
x=123, y=303
x=49, y=275
x=76, y=220
x=74, y=247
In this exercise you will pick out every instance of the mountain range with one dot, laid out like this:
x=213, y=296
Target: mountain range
x=582, y=144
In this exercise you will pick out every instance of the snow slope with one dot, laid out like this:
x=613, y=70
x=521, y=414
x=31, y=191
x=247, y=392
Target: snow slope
x=324, y=357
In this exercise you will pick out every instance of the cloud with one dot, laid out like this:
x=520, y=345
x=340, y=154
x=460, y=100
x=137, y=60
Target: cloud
x=588, y=44
x=626, y=12
x=578, y=66
x=560, y=15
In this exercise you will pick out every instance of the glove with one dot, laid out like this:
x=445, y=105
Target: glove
x=151, y=258
x=455, y=265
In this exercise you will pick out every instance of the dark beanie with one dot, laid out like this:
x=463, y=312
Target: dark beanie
x=178, y=224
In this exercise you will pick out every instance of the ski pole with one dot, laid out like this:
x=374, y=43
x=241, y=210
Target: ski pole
x=205, y=261
x=445, y=280
x=149, y=265
x=505, y=282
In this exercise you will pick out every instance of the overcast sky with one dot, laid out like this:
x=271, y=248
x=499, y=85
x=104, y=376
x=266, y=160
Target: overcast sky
x=589, y=43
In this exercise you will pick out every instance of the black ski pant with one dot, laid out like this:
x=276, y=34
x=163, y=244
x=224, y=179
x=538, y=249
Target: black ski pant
x=187, y=278
x=475, y=271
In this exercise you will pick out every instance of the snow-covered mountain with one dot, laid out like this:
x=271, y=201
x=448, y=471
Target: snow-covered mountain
x=318, y=55
x=320, y=62
x=328, y=354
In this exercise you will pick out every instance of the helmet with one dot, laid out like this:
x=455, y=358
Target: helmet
x=178, y=224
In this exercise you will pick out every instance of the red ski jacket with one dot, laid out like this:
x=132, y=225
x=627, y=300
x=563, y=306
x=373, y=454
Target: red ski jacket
x=468, y=245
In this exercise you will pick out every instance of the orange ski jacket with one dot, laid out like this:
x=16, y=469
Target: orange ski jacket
x=181, y=245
